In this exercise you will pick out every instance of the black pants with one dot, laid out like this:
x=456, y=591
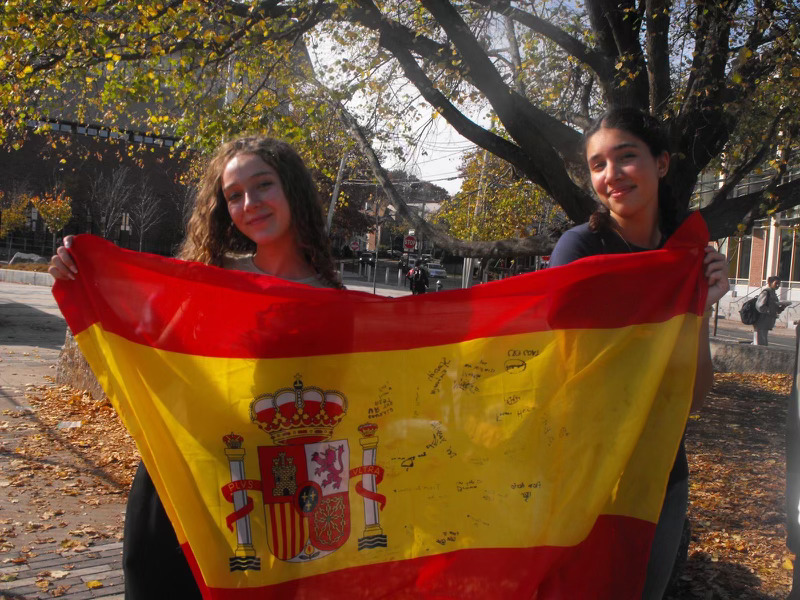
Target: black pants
x=152, y=560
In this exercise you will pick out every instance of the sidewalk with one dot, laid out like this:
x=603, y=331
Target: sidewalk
x=59, y=537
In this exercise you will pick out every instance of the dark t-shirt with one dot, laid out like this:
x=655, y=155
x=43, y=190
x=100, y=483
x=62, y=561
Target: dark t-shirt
x=580, y=242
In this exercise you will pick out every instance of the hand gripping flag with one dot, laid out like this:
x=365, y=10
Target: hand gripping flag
x=512, y=440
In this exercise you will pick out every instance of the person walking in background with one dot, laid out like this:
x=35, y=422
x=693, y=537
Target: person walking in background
x=419, y=280
x=768, y=307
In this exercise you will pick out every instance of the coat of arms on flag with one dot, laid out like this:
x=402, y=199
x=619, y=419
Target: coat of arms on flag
x=305, y=478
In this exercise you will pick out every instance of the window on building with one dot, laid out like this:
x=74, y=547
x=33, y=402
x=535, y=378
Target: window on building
x=788, y=268
x=785, y=254
x=738, y=254
x=796, y=263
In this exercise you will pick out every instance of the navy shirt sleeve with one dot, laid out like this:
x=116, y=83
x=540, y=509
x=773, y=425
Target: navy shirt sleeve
x=576, y=243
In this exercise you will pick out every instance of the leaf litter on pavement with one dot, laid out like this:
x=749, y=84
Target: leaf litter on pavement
x=736, y=459
x=735, y=446
x=56, y=483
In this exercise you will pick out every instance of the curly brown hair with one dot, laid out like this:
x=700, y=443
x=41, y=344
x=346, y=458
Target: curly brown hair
x=211, y=233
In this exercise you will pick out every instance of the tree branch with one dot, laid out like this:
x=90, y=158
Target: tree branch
x=658, y=58
x=562, y=137
x=723, y=218
x=535, y=245
x=537, y=133
x=745, y=168
x=570, y=44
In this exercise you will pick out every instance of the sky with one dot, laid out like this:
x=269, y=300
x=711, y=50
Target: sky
x=437, y=157
x=437, y=154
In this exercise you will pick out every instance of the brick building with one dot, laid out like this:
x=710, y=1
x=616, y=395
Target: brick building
x=73, y=156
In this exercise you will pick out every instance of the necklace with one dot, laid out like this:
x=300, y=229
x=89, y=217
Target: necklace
x=638, y=248
x=624, y=241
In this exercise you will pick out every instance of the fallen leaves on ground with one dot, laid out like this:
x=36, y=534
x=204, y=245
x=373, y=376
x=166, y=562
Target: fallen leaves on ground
x=100, y=440
x=47, y=469
x=737, y=464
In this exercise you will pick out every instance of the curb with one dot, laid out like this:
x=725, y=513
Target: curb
x=29, y=277
x=735, y=357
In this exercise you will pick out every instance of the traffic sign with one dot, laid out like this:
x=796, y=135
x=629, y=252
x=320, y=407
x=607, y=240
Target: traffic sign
x=410, y=242
x=354, y=246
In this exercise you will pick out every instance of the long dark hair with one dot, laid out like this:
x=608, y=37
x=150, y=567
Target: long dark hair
x=650, y=130
x=211, y=232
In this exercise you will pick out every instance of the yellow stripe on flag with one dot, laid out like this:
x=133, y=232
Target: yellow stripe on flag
x=457, y=425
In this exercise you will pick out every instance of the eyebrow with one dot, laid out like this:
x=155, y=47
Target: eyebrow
x=619, y=146
x=253, y=176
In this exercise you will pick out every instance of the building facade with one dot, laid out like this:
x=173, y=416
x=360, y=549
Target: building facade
x=771, y=248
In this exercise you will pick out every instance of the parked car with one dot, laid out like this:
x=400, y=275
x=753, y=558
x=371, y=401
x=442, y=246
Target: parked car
x=367, y=258
x=407, y=261
x=435, y=270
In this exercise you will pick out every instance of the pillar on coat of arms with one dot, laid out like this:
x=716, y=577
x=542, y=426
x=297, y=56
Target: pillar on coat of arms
x=245, y=552
x=373, y=533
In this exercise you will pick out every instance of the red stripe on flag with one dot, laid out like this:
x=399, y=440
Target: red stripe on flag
x=608, y=565
x=142, y=297
x=274, y=509
x=287, y=552
x=294, y=526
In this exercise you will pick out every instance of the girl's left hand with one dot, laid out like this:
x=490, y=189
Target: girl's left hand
x=716, y=271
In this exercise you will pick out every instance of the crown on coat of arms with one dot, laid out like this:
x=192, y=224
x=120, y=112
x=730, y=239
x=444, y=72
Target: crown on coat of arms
x=300, y=414
x=233, y=440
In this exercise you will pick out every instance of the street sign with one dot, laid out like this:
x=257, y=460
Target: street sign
x=354, y=246
x=410, y=242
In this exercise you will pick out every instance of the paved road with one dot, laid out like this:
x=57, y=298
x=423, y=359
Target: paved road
x=731, y=331
x=31, y=334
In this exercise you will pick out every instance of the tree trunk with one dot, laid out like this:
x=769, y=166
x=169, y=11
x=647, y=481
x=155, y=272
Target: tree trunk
x=72, y=369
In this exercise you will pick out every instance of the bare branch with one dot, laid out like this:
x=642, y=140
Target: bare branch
x=144, y=210
x=108, y=198
x=516, y=59
x=536, y=245
x=570, y=44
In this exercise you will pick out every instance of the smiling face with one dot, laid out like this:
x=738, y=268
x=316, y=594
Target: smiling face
x=257, y=204
x=625, y=174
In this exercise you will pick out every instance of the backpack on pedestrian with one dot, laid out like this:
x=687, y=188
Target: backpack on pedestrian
x=748, y=312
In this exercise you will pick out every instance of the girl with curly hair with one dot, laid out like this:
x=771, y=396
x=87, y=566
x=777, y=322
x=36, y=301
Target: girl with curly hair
x=258, y=211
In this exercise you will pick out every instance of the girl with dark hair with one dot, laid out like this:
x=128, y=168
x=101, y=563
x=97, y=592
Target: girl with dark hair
x=257, y=210
x=628, y=158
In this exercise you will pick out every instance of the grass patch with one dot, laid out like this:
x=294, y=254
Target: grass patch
x=39, y=267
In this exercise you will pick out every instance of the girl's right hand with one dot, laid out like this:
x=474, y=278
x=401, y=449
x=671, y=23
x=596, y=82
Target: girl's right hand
x=61, y=264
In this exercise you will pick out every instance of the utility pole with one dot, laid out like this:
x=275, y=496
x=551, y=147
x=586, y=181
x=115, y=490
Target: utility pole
x=377, y=243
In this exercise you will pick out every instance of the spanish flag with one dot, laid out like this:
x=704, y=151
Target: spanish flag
x=512, y=440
